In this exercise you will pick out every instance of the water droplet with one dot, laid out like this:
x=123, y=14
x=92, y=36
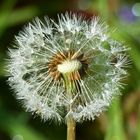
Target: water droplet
x=78, y=42
x=68, y=41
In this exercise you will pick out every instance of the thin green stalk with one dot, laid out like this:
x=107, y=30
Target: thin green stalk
x=71, y=124
x=71, y=129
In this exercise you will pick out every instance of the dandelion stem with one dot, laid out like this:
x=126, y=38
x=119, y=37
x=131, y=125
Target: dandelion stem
x=71, y=127
x=71, y=124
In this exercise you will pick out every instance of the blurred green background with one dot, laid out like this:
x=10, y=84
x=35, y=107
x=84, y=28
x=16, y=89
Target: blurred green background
x=122, y=120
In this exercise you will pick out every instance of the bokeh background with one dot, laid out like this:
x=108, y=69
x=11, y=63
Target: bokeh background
x=122, y=120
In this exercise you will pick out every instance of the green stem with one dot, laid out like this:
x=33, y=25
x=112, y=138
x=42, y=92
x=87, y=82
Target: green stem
x=71, y=124
x=71, y=127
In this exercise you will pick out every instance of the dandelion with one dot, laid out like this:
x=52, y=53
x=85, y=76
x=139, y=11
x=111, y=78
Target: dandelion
x=67, y=71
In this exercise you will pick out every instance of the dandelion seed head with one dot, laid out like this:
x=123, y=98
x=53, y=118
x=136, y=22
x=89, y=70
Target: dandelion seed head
x=72, y=67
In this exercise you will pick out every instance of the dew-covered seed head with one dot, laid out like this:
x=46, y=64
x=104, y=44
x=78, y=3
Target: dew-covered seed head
x=46, y=51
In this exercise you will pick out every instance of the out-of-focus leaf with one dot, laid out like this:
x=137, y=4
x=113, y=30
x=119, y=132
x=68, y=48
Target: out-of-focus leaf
x=13, y=17
x=5, y=10
x=25, y=131
x=18, y=127
x=132, y=29
x=115, y=127
x=138, y=128
x=135, y=55
x=2, y=71
x=22, y=15
x=102, y=6
x=7, y=6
